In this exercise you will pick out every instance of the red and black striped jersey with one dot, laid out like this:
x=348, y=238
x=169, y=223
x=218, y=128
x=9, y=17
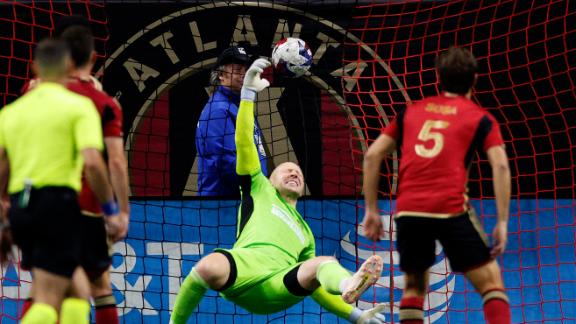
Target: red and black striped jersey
x=436, y=140
x=111, y=115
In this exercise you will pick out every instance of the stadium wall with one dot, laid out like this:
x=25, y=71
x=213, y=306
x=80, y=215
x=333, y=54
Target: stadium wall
x=166, y=238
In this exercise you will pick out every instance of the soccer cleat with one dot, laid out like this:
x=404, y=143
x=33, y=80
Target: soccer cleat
x=365, y=277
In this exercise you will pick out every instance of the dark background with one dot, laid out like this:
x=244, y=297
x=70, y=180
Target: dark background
x=525, y=49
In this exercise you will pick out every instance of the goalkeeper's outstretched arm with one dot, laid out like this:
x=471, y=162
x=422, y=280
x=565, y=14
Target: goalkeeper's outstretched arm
x=247, y=160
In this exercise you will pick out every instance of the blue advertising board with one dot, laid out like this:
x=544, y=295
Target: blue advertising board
x=167, y=238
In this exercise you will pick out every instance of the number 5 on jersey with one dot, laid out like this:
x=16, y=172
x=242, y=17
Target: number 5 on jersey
x=427, y=133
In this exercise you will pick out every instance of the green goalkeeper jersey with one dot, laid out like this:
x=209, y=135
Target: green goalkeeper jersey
x=265, y=220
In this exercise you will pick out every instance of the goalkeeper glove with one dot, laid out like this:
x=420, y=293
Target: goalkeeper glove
x=369, y=316
x=252, y=81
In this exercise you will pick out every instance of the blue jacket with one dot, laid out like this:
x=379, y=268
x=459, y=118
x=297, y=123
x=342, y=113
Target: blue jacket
x=216, y=150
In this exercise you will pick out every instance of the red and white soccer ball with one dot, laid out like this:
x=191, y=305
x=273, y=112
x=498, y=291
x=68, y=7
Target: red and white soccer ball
x=292, y=57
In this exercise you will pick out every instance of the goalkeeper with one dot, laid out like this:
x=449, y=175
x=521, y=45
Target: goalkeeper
x=272, y=265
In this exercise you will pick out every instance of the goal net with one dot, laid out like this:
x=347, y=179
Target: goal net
x=526, y=80
x=370, y=60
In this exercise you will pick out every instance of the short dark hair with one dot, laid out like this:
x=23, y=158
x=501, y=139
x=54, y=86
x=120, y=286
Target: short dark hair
x=457, y=69
x=50, y=56
x=81, y=44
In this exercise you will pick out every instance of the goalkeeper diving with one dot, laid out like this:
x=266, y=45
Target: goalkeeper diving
x=273, y=265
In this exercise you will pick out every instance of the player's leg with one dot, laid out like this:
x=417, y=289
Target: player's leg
x=25, y=264
x=104, y=301
x=49, y=293
x=412, y=302
x=488, y=282
x=467, y=248
x=21, y=222
x=96, y=260
x=56, y=252
x=28, y=301
x=327, y=272
x=76, y=304
x=212, y=271
x=416, y=244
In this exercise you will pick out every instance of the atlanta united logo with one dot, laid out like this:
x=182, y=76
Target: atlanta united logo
x=160, y=76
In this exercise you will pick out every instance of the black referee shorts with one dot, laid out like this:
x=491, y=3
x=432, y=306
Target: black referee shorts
x=48, y=230
x=96, y=254
x=463, y=240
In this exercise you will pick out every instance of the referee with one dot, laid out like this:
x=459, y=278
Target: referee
x=46, y=138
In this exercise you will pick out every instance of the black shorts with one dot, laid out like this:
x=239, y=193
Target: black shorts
x=463, y=240
x=96, y=257
x=48, y=230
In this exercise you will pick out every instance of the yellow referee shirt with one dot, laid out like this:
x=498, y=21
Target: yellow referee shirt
x=43, y=133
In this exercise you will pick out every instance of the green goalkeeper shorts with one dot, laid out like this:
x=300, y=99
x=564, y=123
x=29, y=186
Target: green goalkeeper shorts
x=261, y=281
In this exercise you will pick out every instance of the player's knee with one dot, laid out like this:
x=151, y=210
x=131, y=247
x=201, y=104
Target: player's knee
x=327, y=258
x=214, y=269
x=101, y=286
x=486, y=277
x=311, y=266
x=416, y=283
x=322, y=259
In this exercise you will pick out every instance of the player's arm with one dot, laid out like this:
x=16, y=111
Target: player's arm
x=117, y=164
x=502, y=187
x=96, y=174
x=493, y=145
x=88, y=139
x=118, y=168
x=377, y=151
x=247, y=160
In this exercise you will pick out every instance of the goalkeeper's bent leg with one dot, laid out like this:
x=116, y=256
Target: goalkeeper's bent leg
x=191, y=292
x=336, y=280
x=332, y=276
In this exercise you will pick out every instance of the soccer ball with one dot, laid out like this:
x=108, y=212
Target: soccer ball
x=292, y=57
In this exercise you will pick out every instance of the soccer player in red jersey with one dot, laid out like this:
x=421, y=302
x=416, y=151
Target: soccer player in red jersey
x=97, y=258
x=47, y=134
x=435, y=140
x=96, y=250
